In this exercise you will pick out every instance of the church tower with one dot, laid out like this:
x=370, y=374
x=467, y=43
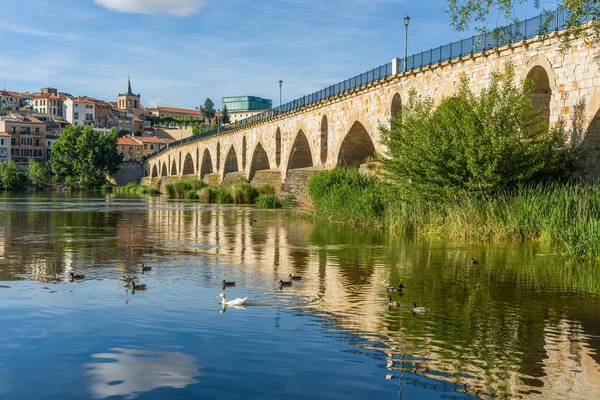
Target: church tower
x=130, y=101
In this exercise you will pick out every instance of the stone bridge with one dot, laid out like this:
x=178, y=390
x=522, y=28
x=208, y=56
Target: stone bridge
x=343, y=130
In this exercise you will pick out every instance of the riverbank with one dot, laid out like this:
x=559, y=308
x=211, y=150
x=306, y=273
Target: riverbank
x=565, y=215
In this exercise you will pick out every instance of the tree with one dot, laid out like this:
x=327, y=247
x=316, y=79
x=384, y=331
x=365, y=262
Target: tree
x=208, y=109
x=477, y=142
x=463, y=13
x=11, y=177
x=38, y=174
x=85, y=156
x=225, y=116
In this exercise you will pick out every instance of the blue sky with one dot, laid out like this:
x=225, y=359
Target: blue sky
x=179, y=52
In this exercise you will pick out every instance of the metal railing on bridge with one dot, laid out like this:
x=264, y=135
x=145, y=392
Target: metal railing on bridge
x=527, y=29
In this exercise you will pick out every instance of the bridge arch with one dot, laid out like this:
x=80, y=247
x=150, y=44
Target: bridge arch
x=174, y=168
x=541, y=72
x=244, y=151
x=324, y=138
x=207, y=165
x=356, y=146
x=231, y=161
x=260, y=160
x=278, y=147
x=395, y=106
x=300, y=153
x=218, y=156
x=188, y=165
x=164, y=171
x=154, y=171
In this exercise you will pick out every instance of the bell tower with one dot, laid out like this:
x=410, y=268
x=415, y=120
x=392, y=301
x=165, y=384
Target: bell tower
x=130, y=101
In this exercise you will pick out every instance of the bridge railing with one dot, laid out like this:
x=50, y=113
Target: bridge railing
x=527, y=29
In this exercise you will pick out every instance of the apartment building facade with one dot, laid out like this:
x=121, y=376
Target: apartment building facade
x=27, y=137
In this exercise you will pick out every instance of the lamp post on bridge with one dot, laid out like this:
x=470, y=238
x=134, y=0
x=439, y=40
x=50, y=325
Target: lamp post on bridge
x=218, y=122
x=406, y=22
x=280, y=85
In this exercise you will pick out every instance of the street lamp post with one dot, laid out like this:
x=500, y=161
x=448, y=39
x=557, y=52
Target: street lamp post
x=218, y=122
x=280, y=85
x=406, y=22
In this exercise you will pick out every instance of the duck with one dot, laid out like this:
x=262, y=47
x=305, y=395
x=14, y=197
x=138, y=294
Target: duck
x=474, y=261
x=395, y=289
x=237, y=302
x=138, y=287
x=225, y=283
x=419, y=310
x=294, y=277
x=391, y=303
x=285, y=283
x=145, y=269
x=76, y=277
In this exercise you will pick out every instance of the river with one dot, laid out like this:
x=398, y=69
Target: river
x=523, y=323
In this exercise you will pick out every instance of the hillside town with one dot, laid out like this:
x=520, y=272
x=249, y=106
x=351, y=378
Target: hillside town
x=31, y=122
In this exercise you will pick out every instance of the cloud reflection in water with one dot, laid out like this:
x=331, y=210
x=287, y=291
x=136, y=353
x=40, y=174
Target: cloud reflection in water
x=129, y=372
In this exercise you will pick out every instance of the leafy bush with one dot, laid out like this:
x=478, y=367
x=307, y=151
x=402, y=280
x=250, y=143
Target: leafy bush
x=191, y=195
x=483, y=142
x=38, y=174
x=288, y=201
x=347, y=195
x=242, y=192
x=106, y=188
x=178, y=190
x=134, y=188
x=11, y=178
x=222, y=196
x=207, y=195
x=267, y=201
x=266, y=189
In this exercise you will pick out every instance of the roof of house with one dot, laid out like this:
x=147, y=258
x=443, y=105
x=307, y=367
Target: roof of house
x=128, y=141
x=21, y=119
x=45, y=96
x=153, y=139
x=9, y=93
x=175, y=110
x=82, y=99
x=4, y=134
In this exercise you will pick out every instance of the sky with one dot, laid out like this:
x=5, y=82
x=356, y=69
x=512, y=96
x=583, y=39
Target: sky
x=179, y=52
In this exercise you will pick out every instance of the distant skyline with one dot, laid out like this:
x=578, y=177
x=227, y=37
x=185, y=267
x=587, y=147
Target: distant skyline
x=179, y=52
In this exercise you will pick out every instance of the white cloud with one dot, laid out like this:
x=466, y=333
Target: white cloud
x=180, y=8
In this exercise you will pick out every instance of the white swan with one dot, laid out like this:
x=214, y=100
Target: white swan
x=237, y=302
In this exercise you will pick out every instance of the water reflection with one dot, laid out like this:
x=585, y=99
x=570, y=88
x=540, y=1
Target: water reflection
x=129, y=372
x=522, y=323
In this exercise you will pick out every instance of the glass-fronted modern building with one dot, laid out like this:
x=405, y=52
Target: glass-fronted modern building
x=246, y=103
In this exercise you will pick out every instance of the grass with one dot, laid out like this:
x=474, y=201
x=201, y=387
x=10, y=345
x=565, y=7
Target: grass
x=131, y=188
x=178, y=190
x=268, y=201
x=242, y=192
x=565, y=215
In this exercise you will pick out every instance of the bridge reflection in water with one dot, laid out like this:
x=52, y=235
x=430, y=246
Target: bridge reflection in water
x=519, y=323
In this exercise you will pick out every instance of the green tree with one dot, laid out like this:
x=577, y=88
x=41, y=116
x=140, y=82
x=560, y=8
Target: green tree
x=225, y=116
x=478, y=142
x=465, y=13
x=38, y=174
x=11, y=177
x=208, y=109
x=86, y=157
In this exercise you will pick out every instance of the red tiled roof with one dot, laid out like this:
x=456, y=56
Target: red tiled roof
x=127, y=141
x=4, y=134
x=175, y=110
x=8, y=93
x=153, y=139
x=45, y=96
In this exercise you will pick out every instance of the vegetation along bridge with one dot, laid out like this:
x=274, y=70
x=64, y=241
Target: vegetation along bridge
x=338, y=126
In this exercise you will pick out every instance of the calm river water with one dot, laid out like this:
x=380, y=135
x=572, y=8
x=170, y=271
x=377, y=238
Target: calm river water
x=524, y=323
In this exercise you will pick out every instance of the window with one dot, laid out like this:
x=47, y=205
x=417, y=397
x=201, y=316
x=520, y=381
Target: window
x=13, y=141
x=151, y=147
x=17, y=152
x=76, y=116
x=37, y=131
x=13, y=129
x=76, y=105
x=37, y=142
x=2, y=152
x=130, y=150
x=145, y=146
x=1, y=142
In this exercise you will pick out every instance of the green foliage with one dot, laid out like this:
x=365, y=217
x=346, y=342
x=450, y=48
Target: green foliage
x=242, y=192
x=288, y=201
x=225, y=119
x=11, y=178
x=482, y=142
x=191, y=195
x=38, y=174
x=106, y=188
x=347, y=195
x=267, y=201
x=208, y=195
x=85, y=157
x=266, y=189
x=223, y=196
x=208, y=109
x=132, y=188
x=178, y=190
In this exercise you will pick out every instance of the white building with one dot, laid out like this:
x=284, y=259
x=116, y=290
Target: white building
x=79, y=111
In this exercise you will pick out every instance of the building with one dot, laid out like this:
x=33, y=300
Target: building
x=48, y=103
x=27, y=137
x=4, y=147
x=10, y=100
x=50, y=139
x=130, y=148
x=80, y=111
x=102, y=113
x=242, y=107
x=175, y=112
x=150, y=144
x=122, y=120
x=130, y=102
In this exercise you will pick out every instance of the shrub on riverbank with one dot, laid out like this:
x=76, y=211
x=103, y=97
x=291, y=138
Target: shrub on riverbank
x=242, y=192
x=267, y=201
x=178, y=190
x=223, y=196
x=131, y=188
x=11, y=178
x=38, y=174
x=347, y=195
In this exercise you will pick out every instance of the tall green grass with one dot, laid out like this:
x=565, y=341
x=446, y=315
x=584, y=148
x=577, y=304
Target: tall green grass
x=563, y=214
x=131, y=188
x=242, y=192
x=178, y=190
